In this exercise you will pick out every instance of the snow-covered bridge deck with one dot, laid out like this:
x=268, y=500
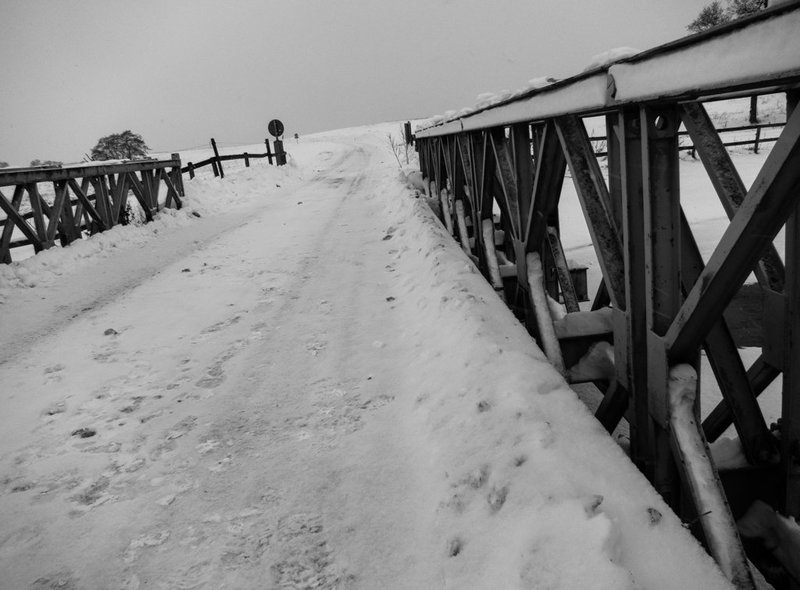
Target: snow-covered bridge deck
x=314, y=389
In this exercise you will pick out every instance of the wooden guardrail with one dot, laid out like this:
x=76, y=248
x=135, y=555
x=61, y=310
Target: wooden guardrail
x=659, y=302
x=215, y=161
x=65, y=203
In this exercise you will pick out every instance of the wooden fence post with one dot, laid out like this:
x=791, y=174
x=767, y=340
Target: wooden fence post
x=269, y=152
x=758, y=137
x=191, y=170
x=280, y=155
x=246, y=160
x=214, y=167
x=219, y=162
x=177, y=175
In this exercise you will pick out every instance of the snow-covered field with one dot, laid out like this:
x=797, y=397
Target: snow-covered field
x=300, y=381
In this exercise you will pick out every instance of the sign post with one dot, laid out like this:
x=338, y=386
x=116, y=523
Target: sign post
x=275, y=128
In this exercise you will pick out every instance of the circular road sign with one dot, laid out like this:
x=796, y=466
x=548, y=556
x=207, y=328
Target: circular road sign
x=275, y=128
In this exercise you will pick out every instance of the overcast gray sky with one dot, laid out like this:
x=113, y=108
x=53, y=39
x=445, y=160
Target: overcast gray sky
x=181, y=71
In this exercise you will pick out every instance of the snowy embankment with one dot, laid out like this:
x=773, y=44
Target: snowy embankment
x=314, y=389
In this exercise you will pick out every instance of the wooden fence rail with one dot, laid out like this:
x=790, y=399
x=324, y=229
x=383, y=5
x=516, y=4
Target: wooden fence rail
x=659, y=302
x=66, y=203
x=216, y=160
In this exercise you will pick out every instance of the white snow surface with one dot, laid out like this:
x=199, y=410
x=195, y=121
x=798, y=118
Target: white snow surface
x=309, y=386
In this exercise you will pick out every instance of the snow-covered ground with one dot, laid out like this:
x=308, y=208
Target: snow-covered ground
x=300, y=381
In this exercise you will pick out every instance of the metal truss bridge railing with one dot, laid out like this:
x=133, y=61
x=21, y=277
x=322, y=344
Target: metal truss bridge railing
x=660, y=302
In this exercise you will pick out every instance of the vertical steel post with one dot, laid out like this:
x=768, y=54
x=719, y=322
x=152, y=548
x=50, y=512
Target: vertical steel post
x=627, y=133
x=660, y=182
x=790, y=411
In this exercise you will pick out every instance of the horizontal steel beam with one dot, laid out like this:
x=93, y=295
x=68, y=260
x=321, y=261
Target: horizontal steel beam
x=760, y=53
x=71, y=172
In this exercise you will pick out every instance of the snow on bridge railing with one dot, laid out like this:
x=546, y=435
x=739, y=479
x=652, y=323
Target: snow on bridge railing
x=761, y=53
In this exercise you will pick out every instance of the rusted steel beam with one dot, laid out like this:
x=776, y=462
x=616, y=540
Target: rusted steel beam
x=551, y=166
x=153, y=177
x=729, y=186
x=172, y=191
x=520, y=140
x=562, y=269
x=138, y=192
x=67, y=228
x=60, y=203
x=790, y=407
x=485, y=171
x=662, y=214
x=759, y=376
x=37, y=206
x=27, y=176
x=507, y=176
x=119, y=195
x=593, y=195
x=661, y=199
x=492, y=267
x=541, y=312
x=83, y=200
x=101, y=201
x=441, y=166
x=723, y=356
x=461, y=223
x=764, y=210
x=12, y=215
x=448, y=156
x=612, y=407
x=613, y=154
x=464, y=148
x=630, y=392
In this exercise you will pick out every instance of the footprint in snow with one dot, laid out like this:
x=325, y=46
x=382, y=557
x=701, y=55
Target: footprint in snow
x=60, y=580
x=143, y=542
x=305, y=559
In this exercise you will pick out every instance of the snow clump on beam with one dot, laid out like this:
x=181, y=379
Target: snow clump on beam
x=609, y=57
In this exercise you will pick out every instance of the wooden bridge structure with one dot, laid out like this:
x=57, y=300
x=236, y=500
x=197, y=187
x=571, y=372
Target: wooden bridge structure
x=660, y=303
x=63, y=203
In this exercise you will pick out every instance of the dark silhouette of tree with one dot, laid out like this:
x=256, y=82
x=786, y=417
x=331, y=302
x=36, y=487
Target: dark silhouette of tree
x=3, y=164
x=45, y=163
x=741, y=8
x=714, y=14
x=710, y=16
x=120, y=146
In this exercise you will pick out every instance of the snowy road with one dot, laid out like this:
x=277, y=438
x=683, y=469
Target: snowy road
x=242, y=418
x=316, y=390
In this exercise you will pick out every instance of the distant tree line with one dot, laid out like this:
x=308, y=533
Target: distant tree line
x=126, y=145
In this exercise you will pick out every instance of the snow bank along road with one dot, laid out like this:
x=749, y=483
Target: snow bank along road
x=315, y=390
